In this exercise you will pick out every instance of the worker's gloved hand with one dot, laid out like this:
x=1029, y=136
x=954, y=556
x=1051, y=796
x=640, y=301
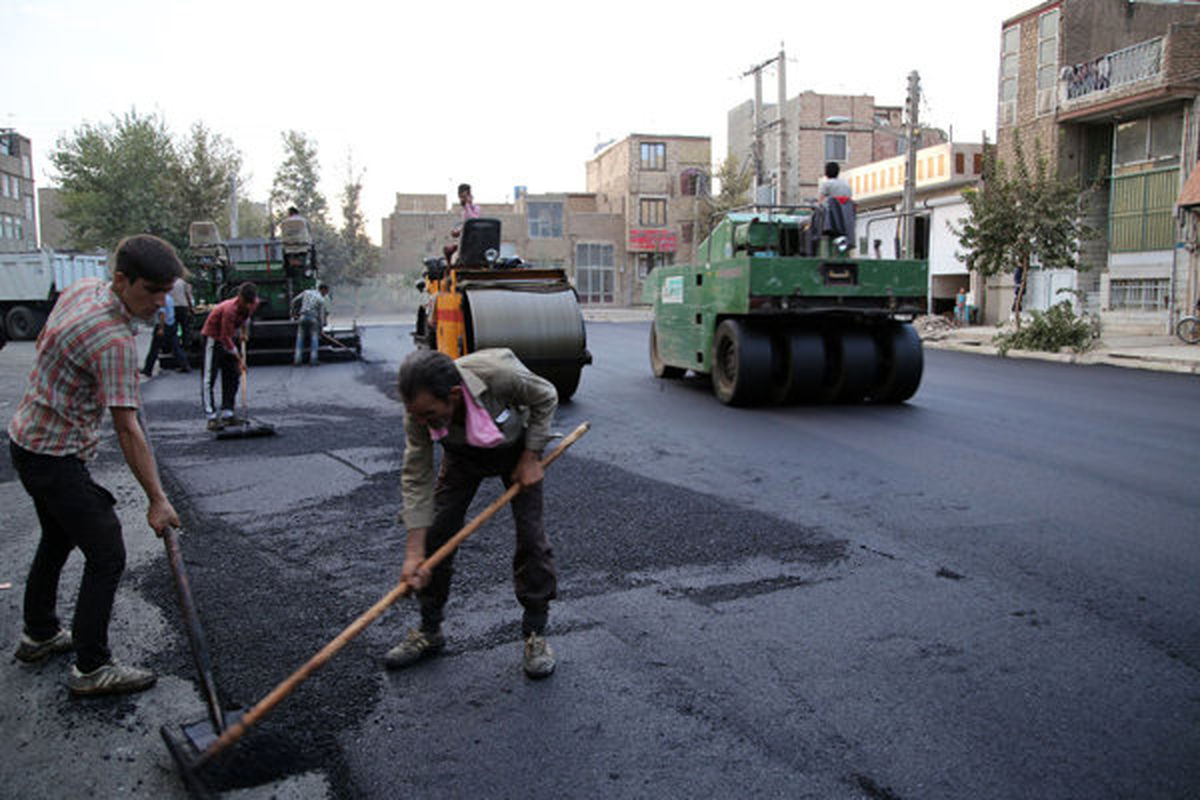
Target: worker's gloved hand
x=413, y=573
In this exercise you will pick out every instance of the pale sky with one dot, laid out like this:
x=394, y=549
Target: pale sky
x=424, y=96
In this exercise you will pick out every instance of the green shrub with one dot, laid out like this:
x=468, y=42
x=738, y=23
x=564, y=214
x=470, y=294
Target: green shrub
x=1050, y=331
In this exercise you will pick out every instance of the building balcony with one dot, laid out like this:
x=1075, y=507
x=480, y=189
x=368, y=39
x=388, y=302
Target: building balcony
x=1138, y=76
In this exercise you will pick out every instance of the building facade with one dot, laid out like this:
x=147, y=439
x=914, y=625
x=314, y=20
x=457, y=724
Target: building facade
x=656, y=185
x=943, y=172
x=1109, y=90
x=560, y=230
x=18, y=228
x=851, y=130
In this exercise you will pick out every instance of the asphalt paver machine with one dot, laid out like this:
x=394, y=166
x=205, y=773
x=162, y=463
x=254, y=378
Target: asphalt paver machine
x=281, y=268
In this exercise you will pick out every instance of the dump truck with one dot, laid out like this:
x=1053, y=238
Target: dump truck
x=483, y=301
x=281, y=268
x=31, y=282
x=777, y=310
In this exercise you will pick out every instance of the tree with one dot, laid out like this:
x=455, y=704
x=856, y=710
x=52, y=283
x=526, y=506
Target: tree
x=1021, y=221
x=735, y=189
x=362, y=255
x=119, y=179
x=209, y=163
x=297, y=180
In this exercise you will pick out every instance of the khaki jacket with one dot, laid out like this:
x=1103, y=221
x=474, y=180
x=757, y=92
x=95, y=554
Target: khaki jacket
x=519, y=402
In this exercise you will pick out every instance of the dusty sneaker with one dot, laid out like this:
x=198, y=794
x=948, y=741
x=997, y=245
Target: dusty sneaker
x=112, y=678
x=539, y=658
x=416, y=646
x=215, y=424
x=31, y=652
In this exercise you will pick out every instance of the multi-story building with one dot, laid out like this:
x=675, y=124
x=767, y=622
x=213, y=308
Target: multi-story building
x=943, y=172
x=18, y=231
x=1110, y=91
x=562, y=230
x=656, y=185
x=850, y=130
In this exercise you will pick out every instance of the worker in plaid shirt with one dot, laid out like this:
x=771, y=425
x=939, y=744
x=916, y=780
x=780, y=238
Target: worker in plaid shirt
x=87, y=362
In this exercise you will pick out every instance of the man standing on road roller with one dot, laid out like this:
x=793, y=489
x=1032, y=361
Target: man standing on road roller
x=492, y=416
x=86, y=362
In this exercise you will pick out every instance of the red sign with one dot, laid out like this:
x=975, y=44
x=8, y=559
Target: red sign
x=654, y=240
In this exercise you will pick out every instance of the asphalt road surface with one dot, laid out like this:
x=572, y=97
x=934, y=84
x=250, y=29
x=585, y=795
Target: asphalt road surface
x=992, y=591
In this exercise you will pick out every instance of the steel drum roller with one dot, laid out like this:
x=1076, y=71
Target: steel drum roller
x=544, y=329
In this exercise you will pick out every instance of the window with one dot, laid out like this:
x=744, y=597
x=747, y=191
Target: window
x=835, y=147
x=654, y=155
x=1010, y=45
x=977, y=163
x=545, y=220
x=960, y=163
x=594, y=274
x=692, y=182
x=1155, y=138
x=27, y=166
x=652, y=211
x=1047, y=71
x=1138, y=295
x=28, y=207
x=648, y=261
x=687, y=232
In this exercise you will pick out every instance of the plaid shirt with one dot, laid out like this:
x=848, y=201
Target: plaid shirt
x=223, y=322
x=86, y=362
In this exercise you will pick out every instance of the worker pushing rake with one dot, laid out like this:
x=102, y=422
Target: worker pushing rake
x=492, y=417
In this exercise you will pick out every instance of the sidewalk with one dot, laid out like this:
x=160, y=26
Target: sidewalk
x=1159, y=353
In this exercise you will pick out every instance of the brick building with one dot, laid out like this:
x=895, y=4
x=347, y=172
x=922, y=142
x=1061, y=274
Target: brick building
x=655, y=184
x=851, y=130
x=1109, y=89
x=563, y=230
x=18, y=230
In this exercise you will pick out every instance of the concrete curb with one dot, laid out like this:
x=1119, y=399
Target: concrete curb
x=1115, y=358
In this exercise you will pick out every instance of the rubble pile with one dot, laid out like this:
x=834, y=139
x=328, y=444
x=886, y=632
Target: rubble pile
x=932, y=328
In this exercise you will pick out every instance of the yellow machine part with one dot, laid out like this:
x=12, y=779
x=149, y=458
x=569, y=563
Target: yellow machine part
x=451, y=332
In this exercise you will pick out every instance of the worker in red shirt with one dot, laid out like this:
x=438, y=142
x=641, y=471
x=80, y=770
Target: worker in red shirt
x=221, y=354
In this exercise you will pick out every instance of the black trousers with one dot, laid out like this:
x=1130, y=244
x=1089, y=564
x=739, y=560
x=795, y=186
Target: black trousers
x=219, y=362
x=74, y=511
x=166, y=342
x=535, y=579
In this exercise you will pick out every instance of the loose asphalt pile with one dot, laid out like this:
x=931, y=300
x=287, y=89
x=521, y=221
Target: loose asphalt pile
x=272, y=597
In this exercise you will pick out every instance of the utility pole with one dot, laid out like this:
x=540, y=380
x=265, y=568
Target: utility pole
x=910, y=173
x=781, y=195
x=758, y=147
x=233, y=207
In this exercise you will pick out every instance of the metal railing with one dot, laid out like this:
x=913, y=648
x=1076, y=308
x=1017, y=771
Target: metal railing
x=1128, y=65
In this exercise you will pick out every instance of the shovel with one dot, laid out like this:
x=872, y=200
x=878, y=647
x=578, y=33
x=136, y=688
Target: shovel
x=245, y=428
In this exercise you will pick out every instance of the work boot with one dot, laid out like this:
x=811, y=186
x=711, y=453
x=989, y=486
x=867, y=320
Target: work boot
x=112, y=678
x=31, y=651
x=416, y=646
x=539, y=658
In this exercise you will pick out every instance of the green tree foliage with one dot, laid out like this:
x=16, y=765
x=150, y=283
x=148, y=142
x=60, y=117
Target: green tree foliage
x=297, y=181
x=209, y=163
x=1021, y=219
x=735, y=192
x=362, y=256
x=132, y=176
x=119, y=179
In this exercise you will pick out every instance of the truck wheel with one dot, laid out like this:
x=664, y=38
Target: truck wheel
x=657, y=366
x=799, y=370
x=901, y=364
x=852, y=365
x=741, y=365
x=24, y=323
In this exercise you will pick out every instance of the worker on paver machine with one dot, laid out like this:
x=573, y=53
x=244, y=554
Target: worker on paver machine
x=492, y=417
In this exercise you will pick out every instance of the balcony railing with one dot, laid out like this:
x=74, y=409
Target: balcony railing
x=1128, y=65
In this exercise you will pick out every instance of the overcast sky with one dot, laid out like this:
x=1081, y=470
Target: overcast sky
x=423, y=96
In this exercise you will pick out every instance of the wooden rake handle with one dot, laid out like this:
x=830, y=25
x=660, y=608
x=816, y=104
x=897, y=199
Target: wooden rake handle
x=289, y=684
